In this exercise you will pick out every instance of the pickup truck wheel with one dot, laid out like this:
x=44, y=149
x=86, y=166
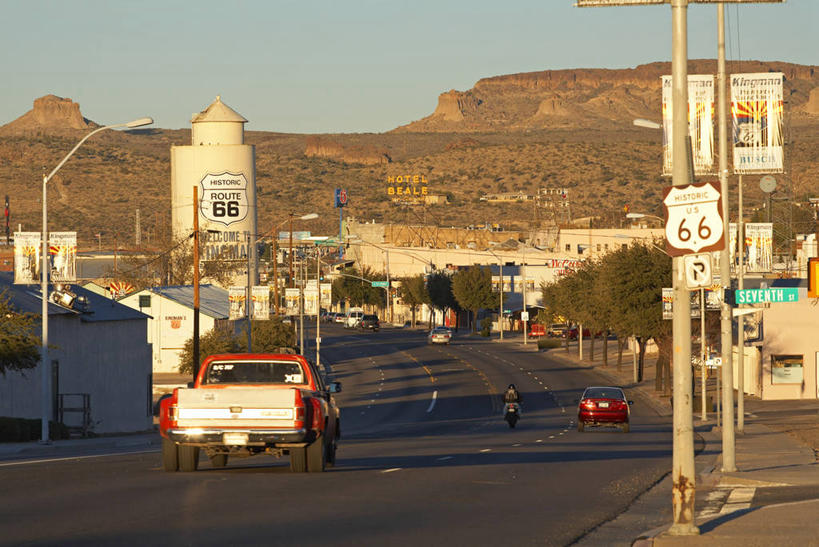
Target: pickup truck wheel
x=188, y=458
x=330, y=459
x=316, y=456
x=170, y=455
x=298, y=460
x=219, y=460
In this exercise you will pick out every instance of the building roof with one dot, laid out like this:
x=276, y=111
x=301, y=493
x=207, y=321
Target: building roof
x=213, y=300
x=218, y=112
x=28, y=298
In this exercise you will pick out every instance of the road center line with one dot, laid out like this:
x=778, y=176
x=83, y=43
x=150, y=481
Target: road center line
x=49, y=460
x=432, y=403
x=391, y=470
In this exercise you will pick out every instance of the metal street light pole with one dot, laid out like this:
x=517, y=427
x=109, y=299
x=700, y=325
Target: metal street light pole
x=500, y=291
x=45, y=372
x=317, y=240
x=683, y=470
x=726, y=338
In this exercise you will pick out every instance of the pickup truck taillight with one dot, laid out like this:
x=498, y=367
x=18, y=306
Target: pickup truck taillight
x=318, y=420
x=301, y=410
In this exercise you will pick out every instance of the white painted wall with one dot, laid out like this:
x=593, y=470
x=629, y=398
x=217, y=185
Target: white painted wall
x=170, y=326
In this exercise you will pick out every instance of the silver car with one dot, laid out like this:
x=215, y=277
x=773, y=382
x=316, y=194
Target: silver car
x=439, y=335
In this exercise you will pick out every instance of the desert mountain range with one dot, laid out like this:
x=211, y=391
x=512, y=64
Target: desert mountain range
x=568, y=129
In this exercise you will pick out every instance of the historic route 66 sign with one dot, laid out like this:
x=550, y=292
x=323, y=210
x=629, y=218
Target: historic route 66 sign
x=224, y=198
x=693, y=219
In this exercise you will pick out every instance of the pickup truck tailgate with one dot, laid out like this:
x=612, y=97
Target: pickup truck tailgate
x=240, y=407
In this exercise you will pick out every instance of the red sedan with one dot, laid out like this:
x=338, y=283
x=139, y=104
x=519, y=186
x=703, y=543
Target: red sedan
x=603, y=406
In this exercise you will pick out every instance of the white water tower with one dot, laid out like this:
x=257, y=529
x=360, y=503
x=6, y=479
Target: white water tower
x=223, y=169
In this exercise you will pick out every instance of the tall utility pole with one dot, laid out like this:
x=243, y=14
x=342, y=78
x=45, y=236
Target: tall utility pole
x=683, y=470
x=740, y=319
x=726, y=338
x=195, y=281
x=137, y=230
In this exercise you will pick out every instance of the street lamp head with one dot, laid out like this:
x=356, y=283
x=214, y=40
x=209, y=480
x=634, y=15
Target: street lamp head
x=308, y=216
x=640, y=122
x=634, y=215
x=140, y=122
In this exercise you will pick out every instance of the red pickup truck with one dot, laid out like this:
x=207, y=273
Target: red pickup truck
x=246, y=404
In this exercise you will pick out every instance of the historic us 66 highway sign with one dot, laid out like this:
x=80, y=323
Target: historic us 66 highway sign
x=693, y=219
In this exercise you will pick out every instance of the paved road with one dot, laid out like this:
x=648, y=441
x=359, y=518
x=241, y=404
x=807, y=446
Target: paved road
x=425, y=458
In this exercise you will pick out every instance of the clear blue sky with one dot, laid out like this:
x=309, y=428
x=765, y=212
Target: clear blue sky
x=347, y=66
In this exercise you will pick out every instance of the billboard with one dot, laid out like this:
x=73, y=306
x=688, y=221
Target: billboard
x=756, y=110
x=700, y=123
x=26, y=257
x=62, y=257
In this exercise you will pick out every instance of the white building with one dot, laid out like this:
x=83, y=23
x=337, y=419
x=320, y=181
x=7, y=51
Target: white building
x=100, y=361
x=170, y=322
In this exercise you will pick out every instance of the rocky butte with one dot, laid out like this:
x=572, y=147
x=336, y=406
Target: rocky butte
x=50, y=114
x=590, y=98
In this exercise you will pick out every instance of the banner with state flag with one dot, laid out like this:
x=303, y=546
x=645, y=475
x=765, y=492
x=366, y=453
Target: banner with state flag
x=757, y=108
x=62, y=257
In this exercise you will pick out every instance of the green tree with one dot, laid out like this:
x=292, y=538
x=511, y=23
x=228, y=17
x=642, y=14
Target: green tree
x=19, y=346
x=635, y=276
x=271, y=336
x=439, y=289
x=472, y=289
x=413, y=293
x=216, y=340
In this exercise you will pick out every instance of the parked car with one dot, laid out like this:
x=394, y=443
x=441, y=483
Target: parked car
x=440, y=335
x=537, y=330
x=557, y=330
x=571, y=333
x=369, y=321
x=339, y=318
x=603, y=405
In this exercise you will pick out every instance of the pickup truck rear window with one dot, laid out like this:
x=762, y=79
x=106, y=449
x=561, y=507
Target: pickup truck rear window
x=255, y=372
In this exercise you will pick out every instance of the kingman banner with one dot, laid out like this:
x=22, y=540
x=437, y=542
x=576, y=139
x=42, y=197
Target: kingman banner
x=291, y=301
x=261, y=302
x=756, y=109
x=700, y=123
x=62, y=256
x=27, y=257
x=236, y=298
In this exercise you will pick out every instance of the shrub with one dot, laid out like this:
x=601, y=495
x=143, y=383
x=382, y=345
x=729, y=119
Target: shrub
x=486, y=323
x=547, y=343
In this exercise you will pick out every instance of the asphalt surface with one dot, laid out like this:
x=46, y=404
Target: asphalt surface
x=425, y=457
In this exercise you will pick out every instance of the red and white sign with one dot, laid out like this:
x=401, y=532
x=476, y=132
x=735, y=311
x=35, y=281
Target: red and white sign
x=693, y=219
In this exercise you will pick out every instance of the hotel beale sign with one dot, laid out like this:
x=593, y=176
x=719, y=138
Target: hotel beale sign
x=407, y=188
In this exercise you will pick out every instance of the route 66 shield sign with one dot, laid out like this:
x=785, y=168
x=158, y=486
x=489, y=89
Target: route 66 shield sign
x=224, y=198
x=693, y=219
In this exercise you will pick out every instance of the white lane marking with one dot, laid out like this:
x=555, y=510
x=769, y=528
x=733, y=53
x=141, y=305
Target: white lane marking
x=432, y=403
x=49, y=460
x=391, y=470
x=550, y=436
x=741, y=495
x=562, y=433
x=517, y=444
x=486, y=450
x=539, y=441
x=445, y=458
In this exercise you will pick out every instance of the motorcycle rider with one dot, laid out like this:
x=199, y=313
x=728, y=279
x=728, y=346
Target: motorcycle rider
x=512, y=395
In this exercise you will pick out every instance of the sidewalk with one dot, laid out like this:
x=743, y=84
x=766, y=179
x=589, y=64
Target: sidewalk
x=68, y=448
x=773, y=496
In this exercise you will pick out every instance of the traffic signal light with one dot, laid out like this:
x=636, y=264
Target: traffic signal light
x=813, y=278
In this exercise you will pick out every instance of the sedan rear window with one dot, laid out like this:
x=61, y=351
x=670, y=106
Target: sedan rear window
x=603, y=393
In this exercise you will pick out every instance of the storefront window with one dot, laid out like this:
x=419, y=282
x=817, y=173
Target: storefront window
x=786, y=369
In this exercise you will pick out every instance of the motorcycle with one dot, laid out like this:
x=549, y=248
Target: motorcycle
x=511, y=414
